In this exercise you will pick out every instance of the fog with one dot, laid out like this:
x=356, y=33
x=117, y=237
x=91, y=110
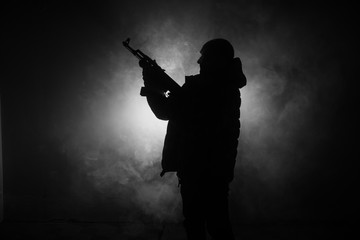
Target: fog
x=77, y=129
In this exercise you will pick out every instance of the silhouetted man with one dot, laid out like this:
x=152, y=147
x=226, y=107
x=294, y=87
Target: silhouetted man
x=202, y=137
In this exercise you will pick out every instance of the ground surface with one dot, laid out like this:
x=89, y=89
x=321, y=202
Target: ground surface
x=132, y=230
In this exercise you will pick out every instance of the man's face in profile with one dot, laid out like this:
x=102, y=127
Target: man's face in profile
x=206, y=62
x=216, y=56
x=200, y=61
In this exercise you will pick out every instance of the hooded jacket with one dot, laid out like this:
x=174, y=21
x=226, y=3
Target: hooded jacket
x=204, y=124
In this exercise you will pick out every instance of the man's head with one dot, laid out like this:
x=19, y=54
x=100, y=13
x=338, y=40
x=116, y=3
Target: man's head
x=215, y=55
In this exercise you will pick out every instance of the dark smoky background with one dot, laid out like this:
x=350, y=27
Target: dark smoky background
x=79, y=142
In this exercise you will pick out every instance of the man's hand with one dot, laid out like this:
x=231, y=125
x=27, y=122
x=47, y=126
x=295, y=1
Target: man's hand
x=150, y=75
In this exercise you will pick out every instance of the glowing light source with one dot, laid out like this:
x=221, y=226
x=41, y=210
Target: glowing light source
x=141, y=118
x=133, y=121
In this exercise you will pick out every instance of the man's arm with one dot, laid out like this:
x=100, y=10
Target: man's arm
x=159, y=101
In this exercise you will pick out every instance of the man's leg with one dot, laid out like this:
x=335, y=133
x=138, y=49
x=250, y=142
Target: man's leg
x=193, y=210
x=217, y=212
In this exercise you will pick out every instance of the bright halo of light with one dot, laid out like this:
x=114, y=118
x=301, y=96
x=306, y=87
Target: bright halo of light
x=135, y=124
x=142, y=119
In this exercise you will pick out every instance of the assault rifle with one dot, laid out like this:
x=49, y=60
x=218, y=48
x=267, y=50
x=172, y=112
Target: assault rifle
x=163, y=82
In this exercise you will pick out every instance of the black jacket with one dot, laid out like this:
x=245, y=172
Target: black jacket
x=204, y=126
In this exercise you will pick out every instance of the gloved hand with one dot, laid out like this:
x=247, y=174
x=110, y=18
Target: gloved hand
x=150, y=75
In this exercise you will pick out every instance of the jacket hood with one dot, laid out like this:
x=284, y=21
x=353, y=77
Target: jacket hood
x=236, y=73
